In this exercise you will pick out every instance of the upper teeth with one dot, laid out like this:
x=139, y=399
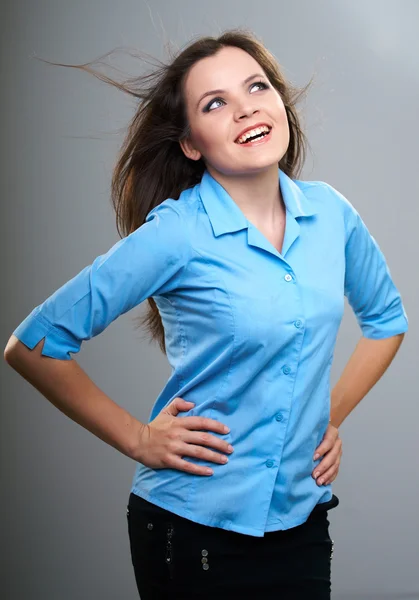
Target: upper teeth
x=253, y=132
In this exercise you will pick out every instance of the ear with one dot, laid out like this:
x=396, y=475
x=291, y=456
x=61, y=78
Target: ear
x=189, y=150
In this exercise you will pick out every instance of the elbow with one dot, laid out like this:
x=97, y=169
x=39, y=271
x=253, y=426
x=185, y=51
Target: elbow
x=16, y=352
x=11, y=350
x=399, y=337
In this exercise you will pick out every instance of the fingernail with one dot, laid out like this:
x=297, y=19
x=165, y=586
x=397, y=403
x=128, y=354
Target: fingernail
x=316, y=474
x=316, y=456
x=226, y=429
x=321, y=481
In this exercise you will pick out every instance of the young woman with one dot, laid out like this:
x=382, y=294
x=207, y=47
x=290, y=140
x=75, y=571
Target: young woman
x=245, y=268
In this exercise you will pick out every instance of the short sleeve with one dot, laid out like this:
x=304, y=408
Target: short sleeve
x=369, y=287
x=148, y=262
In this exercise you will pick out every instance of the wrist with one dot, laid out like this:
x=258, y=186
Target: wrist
x=136, y=442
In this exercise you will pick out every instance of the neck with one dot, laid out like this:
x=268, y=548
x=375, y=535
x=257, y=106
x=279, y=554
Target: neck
x=258, y=195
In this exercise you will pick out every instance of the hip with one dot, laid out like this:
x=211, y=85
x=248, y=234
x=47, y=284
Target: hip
x=175, y=553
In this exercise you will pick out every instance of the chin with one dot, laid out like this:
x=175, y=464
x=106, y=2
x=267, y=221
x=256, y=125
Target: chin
x=252, y=165
x=263, y=164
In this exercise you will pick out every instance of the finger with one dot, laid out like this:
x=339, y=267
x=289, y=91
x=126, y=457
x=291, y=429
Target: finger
x=326, y=445
x=200, y=423
x=178, y=404
x=202, y=453
x=329, y=475
x=175, y=462
x=206, y=439
x=328, y=441
x=332, y=478
x=324, y=475
x=328, y=460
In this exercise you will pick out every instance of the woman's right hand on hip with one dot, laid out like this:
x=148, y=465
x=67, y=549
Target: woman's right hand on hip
x=167, y=438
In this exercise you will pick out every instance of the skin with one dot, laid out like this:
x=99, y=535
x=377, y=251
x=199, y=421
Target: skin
x=250, y=175
x=161, y=443
x=367, y=364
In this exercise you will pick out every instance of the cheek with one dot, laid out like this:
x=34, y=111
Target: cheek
x=283, y=125
x=286, y=123
x=208, y=139
x=282, y=116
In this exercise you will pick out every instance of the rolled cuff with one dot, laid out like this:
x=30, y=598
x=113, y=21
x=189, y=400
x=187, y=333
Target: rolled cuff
x=378, y=331
x=57, y=344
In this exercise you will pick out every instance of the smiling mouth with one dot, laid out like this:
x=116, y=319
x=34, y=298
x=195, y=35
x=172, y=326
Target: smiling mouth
x=259, y=134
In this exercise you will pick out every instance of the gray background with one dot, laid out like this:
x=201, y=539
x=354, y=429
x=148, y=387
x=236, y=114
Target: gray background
x=63, y=491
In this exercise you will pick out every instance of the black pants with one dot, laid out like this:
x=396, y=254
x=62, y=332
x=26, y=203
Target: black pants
x=176, y=558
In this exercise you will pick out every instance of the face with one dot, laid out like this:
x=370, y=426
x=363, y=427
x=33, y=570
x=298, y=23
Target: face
x=241, y=97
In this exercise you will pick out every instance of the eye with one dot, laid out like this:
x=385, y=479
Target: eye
x=208, y=108
x=261, y=83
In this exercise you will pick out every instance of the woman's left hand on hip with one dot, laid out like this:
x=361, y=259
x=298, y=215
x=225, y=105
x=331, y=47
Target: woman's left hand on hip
x=331, y=450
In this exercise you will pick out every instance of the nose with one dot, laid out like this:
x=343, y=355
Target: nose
x=245, y=111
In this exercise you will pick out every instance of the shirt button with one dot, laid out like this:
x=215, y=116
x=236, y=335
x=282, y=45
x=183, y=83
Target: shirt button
x=269, y=463
x=286, y=370
x=279, y=417
x=298, y=323
x=288, y=277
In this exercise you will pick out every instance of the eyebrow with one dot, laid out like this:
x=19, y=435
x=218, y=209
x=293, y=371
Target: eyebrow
x=212, y=92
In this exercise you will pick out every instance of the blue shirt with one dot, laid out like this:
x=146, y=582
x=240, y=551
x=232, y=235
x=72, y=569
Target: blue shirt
x=250, y=335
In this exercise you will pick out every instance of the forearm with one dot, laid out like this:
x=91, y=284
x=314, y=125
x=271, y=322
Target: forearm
x=368, y=363
x=67, y=386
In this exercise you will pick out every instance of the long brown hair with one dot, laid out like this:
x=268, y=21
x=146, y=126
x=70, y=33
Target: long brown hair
x=151, y=165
